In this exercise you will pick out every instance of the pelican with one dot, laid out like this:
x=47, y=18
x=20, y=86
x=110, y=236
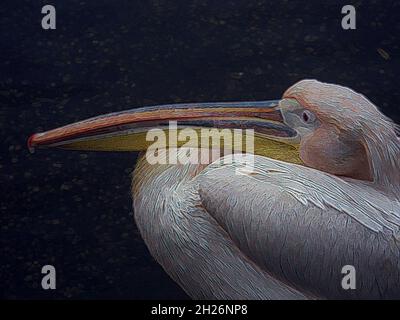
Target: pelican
x=324, y=193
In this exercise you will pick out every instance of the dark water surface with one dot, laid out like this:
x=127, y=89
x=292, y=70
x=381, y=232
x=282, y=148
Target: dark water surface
x=73, y=209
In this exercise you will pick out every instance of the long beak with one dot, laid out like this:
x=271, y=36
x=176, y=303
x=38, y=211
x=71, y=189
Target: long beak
x=126, y=130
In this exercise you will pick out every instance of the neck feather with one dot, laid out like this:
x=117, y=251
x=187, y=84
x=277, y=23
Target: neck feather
x=384, y=150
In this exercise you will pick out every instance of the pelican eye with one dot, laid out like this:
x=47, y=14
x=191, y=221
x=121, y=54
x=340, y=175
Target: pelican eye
x=308, y=116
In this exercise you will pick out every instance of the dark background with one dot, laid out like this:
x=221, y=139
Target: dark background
x=73, y=209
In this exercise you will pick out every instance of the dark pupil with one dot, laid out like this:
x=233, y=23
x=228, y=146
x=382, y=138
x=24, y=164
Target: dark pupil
x=305, y=117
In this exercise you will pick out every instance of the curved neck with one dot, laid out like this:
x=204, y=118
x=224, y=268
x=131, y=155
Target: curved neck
x=189, y=244
x=384, y=152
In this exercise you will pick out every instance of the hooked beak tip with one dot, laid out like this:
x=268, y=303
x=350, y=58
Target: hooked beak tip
x=31, y=144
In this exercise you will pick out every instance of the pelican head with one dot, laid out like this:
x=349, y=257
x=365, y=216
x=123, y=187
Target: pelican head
x=342, y=133
x=324, y=126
